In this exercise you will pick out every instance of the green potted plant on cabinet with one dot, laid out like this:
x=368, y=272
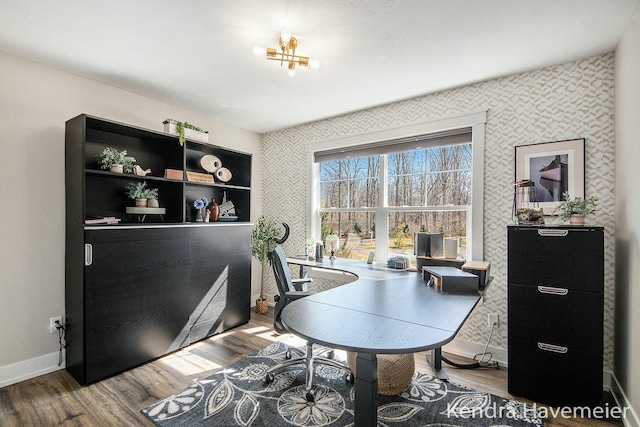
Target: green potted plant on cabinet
x=576, y=209
x=260, y=247
x=116, y=161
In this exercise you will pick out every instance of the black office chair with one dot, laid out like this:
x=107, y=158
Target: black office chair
x=291, y=290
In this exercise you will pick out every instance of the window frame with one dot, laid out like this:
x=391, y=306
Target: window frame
x=474, y=120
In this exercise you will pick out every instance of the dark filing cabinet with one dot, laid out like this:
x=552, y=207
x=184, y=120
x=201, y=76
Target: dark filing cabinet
x=555, y=314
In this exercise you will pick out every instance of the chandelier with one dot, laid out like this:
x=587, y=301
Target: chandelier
x=287, y=54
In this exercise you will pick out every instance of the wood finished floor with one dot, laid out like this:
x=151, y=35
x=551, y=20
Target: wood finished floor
x=57, y=400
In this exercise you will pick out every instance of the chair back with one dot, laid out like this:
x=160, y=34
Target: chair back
x=281, y=271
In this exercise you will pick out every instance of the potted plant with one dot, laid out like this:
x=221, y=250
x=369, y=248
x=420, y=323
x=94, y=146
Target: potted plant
x=152, y=197
x=185, y=129
x=260, y=247
x=139, y=192
x=576, y=209
x=116, y=161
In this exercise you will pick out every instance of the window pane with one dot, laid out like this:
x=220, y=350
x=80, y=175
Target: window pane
x=434, y=177
x=402, y=226
x=349, y=183
x=356, y=231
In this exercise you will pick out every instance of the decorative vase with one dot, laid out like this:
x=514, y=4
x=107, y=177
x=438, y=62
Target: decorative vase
x=200, y=215
x=214, y=211
x=576, y=219
x=116, y=169
x=262, y=306
x=152, y=203
x=141, y=203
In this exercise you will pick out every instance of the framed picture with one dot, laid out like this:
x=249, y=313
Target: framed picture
x=554, y=167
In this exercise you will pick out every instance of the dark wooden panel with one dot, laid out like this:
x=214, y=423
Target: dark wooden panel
x=573, y=320
x=136, y=297
x=220, y=280
x=574, y=261
x=570, y=379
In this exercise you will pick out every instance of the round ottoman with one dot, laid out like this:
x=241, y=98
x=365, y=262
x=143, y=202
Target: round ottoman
x=394, y=371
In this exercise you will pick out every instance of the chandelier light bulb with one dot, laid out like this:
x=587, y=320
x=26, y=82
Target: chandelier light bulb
x=291, y=72
x=314, y=63
x=285, y=36
x=258, y=50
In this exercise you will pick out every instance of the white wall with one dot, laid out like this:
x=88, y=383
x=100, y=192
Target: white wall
x=627, y=206
x=35, y=102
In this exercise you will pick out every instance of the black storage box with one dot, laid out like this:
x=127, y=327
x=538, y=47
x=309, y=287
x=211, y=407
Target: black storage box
x=451, y=279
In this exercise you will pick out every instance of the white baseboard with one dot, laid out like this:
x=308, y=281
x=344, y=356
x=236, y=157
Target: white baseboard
x=20, y=371
x=631, y=417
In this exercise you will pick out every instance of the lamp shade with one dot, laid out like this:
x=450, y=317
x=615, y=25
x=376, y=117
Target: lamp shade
x=331, y=243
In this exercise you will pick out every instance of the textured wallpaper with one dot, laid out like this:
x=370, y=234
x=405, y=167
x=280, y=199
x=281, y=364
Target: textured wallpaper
x=568, y=101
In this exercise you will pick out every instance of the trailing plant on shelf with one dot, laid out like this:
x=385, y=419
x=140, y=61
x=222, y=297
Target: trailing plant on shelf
x=576, y=206
x=260, y=247
x=111, y=156
x=181, y=126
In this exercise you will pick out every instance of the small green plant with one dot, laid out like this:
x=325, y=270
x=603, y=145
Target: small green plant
x=139, y=190
x=151, y=193
x=577, y=205
x=261, y=243
x=112, y=156
x=181, y=126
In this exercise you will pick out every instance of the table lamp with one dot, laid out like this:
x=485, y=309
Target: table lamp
x=332, y=244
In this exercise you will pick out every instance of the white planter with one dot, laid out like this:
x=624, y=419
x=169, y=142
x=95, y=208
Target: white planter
x=194, y=135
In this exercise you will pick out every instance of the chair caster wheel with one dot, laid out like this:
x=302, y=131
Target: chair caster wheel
x=311, y=396
x=269, y=378
x=288, y=354
x=350, y=378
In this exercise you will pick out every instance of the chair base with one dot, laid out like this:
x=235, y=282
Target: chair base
x=309, y=359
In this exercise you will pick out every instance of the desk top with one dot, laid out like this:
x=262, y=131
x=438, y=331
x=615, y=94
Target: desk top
x=383, y=311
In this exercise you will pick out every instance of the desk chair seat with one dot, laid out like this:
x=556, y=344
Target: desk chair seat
x=287, y=293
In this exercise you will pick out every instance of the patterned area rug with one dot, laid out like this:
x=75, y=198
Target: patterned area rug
x=238, y=396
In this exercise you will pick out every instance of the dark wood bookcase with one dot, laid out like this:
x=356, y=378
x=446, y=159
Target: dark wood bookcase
x=556, y=309
x=138, y=290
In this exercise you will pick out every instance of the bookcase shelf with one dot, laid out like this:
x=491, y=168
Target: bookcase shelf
x=102, y=193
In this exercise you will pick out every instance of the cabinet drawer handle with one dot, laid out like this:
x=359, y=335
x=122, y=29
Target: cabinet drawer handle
x=553, y=233
x=552, y=291
x=88, y=254
x=553, y=348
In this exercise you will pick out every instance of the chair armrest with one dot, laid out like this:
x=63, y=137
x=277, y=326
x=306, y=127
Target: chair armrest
x=297, y=295
x=301, y=284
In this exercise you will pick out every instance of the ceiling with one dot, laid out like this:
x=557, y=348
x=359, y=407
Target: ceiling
x=197, y=54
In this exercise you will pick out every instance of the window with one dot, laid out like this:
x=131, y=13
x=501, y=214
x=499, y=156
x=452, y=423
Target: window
x=427, y=190
x=376, y=195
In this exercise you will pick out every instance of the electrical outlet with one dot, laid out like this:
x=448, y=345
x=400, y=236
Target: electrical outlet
x=52, y=323
x=494, y=319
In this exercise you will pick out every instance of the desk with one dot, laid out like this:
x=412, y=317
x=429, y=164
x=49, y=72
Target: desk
x=383, y=311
